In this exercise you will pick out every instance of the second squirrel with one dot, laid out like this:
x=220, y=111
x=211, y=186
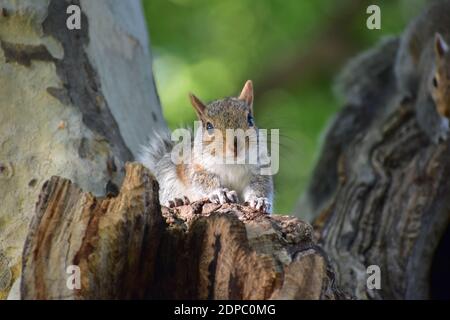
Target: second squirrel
x=422, y=68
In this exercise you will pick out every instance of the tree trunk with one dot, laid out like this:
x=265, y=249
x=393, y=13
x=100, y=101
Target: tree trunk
x=127, y=247
x=74, y=103
x=379, y=195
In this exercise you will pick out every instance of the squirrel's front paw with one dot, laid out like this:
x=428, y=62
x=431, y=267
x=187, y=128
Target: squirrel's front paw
x=178, y=202
x=441, y=131
x=223, y=195
x=260, y=203
x=444, y=129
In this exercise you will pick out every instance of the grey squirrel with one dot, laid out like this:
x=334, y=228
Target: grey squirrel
x=420, y=59
x=203, y=177
x=422, y=68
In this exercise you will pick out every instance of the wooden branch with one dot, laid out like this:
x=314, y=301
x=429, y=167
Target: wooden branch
x=128, y=247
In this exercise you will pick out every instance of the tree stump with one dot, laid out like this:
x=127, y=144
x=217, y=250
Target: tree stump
x=127, y=246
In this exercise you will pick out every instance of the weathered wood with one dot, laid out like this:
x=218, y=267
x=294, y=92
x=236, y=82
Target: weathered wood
x=386, y=200
x=390, y=209
x=233, y=252
x=128, y=247
x=112, y=240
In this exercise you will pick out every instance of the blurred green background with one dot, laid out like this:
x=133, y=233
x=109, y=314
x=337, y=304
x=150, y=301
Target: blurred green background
x=291, y=49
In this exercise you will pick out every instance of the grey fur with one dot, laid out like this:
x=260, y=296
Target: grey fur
x=361, y=78
x=158, y=147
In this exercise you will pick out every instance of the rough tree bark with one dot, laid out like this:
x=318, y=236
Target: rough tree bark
x=74, y=103
x=127, y=247
x=379, y=194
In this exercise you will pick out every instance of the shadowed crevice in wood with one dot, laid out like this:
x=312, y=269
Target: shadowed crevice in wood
x=213, y=266
x=440, y=277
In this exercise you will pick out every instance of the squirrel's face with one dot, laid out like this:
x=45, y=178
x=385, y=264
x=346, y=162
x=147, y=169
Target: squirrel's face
x=228, y=124
x=440, y=81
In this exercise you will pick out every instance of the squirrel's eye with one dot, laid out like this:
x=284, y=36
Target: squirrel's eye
x=250, y=121
x=435, y=82
x=209, y=127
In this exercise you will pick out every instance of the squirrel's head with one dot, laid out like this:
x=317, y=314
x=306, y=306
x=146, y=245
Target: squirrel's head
x=221, y=115
x=440, y=80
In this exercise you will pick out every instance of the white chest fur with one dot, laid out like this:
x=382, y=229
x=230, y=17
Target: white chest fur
x=233, y=176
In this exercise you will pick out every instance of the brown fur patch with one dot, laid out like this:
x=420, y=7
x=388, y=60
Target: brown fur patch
x=181, y=173
x=198, y=167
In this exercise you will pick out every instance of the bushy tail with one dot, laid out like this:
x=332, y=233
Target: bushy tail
x=159, y=145
x=364, y=75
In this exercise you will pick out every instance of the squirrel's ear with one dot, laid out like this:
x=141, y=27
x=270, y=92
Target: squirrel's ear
x=198, y=105
x=440, y=45
x=247, y=94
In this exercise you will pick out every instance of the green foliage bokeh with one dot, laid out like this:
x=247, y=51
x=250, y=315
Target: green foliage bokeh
x=210, y=47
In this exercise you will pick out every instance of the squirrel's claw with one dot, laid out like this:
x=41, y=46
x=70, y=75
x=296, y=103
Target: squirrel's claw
x=178, y=202
x=260, y=204
x=223, y=195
